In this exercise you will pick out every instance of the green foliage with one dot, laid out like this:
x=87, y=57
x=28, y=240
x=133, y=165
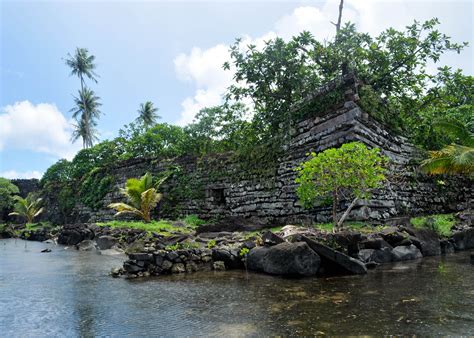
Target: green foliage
x=7, y=190
x=212, y=243
x=244, y=252
x=182, y=245
x=282, y=74
x=194, y=221
x=351, y=171
x=142, y=196
x=93, y=189
x=28, y=207
x=162, y=226
x=456, y=158
x=440, y=223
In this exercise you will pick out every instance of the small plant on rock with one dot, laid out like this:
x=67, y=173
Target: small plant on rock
x=142, y=195
x=212, y=243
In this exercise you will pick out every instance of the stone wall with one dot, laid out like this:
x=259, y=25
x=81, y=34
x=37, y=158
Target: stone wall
x=219, y=187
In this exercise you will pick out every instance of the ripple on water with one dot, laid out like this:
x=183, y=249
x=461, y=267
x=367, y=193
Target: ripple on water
x=69, y=293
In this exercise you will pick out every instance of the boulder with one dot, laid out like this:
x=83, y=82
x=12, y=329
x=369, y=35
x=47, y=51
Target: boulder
x=86, y=245
x=218, y=265
x=178, y=268
x=446, y=247
x=256, y=257
x=332, y=258
x=72, y=234
x=285, y=259
x=112, y=252
x=269, y=238
x=132, y=267
x=464, y=240
x=406, y=253
x=375, y=243
x=105, y=242
x=383, y=255
x=365, y=255
x=393, y=236
x=230, y=258
x=429, y=241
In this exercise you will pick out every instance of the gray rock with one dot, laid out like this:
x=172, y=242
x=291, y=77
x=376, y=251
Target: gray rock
x=218, y=265
x=464, y=240
x=429, y=241
x=406, y=253
x=381, y=256
x=336, y=258
x=285, y=259
x=256, y=257
x=365, y=255
x=446, y=247
x=375, y=243
x=131, y=267
x=112, y=252
x=178, y=268
x=72, y=234
x=269, y=238
x=106, y=242
x=144, y=257
x=86, y=245
x=166, y=265
x=191, y=267
x=230, y=258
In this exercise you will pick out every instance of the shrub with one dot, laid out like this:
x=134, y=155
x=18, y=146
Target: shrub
x=349, y=171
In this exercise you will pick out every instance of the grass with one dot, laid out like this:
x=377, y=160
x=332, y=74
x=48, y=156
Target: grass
x=440, y=223
x=356, y=226
x=164, y=227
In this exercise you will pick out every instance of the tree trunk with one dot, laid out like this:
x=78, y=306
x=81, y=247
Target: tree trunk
x=334, y=206
x=346, y=213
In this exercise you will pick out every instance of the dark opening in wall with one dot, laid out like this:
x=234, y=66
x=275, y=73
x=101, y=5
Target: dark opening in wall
x=218, y=196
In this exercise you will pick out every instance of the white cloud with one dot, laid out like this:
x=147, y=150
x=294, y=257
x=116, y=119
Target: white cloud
x=39, y=128
x=203, y=67
x=11, y=174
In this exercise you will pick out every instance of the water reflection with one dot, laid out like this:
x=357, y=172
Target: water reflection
x=68, y=293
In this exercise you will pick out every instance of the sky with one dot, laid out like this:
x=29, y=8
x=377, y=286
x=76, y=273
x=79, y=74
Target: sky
x=167, y=52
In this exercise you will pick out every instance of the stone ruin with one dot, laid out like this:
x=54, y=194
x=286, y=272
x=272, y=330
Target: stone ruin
x=214, y=186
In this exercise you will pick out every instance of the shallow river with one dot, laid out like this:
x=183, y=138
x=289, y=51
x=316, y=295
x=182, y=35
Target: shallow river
x=69, y=293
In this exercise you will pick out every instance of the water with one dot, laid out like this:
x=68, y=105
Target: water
x=69, y=293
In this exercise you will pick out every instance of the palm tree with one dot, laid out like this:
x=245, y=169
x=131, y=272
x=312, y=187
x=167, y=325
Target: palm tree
x=85, y=129
x=147, y=114
x=456, y=158
x=142, y=196
x=82, y=64
x=86, y=111
x=28, y=207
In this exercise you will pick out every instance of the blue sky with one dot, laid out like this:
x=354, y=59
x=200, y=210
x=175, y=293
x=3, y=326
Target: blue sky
x=167, y=52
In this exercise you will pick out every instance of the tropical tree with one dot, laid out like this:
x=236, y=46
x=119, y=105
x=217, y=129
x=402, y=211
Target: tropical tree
x=349, y=172
x=87, y=104
x=7, y=191
x=28, y=207
x=86, y=112
x=455, y=158
x=142, y=196
x=147, y=114
x=82, y=65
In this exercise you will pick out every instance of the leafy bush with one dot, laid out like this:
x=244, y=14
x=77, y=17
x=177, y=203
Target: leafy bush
x=194, y=221
x=440, y=223
x=7, y=190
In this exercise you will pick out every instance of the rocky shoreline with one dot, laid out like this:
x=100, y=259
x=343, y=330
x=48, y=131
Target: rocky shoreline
x=292, y=251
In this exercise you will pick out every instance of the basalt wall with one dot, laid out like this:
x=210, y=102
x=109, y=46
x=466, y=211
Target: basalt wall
x=220, y=187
